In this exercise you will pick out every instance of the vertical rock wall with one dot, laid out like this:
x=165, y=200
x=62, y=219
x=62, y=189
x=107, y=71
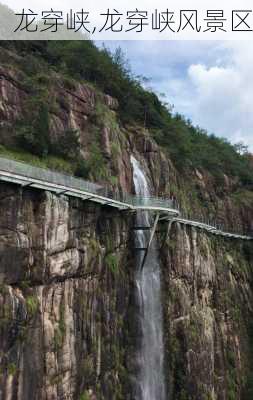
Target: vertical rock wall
x=208, y=316
x=65, y=279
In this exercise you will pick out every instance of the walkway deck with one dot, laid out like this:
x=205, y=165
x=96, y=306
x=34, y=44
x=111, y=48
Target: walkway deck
x=207, y=228
x=28, y=176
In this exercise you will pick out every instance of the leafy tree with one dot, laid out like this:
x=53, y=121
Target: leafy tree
x=82, y=168
x=68, y=144
x=34, y=133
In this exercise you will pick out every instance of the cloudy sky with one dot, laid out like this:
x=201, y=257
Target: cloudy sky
x=209, y=82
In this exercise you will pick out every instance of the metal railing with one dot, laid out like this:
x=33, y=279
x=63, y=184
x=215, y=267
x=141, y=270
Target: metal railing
x=218, y=225
x=22, y=169
x=151, y=201
x=46, y=175
x=216, y=230
x=138, y=201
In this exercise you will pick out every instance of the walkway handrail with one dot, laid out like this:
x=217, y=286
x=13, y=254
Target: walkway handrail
x=43, y=175
x=46, y=175
x=28, y=175
x=212, y=229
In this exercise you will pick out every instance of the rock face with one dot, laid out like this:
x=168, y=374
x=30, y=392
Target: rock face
x=67, y=312
x=65, y=284
x=208, y=314
x=11, y=94
x=67, y=308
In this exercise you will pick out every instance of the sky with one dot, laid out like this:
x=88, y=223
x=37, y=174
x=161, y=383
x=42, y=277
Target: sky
x=209, y=82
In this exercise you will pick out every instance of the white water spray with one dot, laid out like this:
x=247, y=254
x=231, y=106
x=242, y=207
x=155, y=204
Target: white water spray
x=151, y=354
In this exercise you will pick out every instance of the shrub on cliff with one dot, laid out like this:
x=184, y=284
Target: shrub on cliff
x=33, y=134
x=68, y=145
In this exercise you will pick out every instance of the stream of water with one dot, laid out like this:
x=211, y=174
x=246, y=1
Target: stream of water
x=151, y=379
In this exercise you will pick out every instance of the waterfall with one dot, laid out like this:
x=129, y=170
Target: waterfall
x=151, y=382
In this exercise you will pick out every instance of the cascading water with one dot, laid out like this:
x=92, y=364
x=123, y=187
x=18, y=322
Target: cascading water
x=151, y=380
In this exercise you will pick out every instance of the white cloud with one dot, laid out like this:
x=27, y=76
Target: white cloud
x=222, y=96
x=209, y=82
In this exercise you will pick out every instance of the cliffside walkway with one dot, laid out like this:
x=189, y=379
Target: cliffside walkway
x=26, y=175
x=208, y=228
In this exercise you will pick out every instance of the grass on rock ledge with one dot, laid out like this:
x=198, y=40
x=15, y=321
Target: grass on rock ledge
x=50, y=162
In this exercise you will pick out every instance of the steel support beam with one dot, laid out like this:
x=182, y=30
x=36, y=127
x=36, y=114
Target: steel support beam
x=27, y=185
x=62, y=192
x=150, y=240
x=170, y=222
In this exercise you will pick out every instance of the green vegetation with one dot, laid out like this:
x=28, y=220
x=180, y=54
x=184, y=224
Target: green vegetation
x=85, y=396
x=60, y=330
x=5, y=320
x=33, y=130
x=11, y=369
x=187, y=145
x=113, y=180
x=243, y=197
x=33, y=134
x=94, y=166
x=95, y=246
x=51, y=162
x=88, y=369
x=68, y=147
x=32, y=305
x=115, y=149
x=97, y=162
x=58, y=339
x=112, y=262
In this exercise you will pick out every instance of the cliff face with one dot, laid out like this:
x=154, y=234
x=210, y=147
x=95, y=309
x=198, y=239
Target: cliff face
x=65, y=287
x=208, y=314
x=68, y=324
x=67, y=306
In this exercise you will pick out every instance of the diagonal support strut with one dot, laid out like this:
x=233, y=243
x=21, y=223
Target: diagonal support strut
x=170, y=222
x=150, y=240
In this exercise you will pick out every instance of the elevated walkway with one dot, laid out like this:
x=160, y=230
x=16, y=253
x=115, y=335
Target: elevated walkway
x=29, y=176
x=208, y=228
x=205, y=227
x=26, y=175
